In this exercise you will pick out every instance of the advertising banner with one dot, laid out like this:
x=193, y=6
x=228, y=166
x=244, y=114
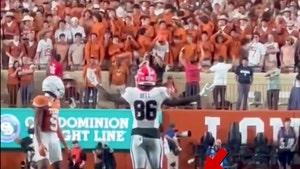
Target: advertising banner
x=219, y=123
x=88, y=126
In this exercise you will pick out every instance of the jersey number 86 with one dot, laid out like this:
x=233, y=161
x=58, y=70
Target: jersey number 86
x=145, y=110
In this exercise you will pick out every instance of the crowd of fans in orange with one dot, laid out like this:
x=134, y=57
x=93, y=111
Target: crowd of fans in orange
x=71, y=35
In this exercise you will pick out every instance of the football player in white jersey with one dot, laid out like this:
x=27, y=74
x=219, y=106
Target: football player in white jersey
x=145, y=102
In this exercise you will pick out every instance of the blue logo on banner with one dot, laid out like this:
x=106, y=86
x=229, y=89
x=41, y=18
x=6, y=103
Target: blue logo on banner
x=10, y=128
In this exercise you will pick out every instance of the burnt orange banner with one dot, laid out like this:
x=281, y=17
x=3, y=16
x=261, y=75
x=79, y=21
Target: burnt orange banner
x=12, y=160
x=198, y=122
x=218, y=122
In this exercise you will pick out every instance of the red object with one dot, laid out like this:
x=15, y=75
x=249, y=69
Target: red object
x=42, y=150
x=146, y=76
x=55, y=68
x=216, y=161
x=75, y=152
x=3, y=4
x=192, y=73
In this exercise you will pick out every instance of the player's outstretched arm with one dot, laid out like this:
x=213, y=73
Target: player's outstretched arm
x=117, y=98
x=181, y=101
x=187, y=100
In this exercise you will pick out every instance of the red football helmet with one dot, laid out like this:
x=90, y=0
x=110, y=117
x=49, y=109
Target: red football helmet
x=146, y=76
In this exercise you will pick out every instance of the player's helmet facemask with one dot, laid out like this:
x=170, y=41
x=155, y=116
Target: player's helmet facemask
x=51, y=94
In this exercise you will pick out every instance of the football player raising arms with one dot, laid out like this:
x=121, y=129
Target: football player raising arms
x=145, y=102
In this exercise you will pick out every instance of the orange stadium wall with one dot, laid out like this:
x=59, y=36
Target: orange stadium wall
x=218, y=122
x=197, y=122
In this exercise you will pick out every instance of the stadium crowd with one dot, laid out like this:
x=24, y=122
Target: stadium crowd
x=59, y=36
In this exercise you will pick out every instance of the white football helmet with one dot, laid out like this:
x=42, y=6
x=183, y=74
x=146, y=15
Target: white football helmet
x=54, y=85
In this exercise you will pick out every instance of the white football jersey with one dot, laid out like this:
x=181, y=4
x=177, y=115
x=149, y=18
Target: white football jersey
x=145, y=105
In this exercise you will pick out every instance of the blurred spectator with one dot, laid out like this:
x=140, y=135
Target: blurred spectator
x=118, y=50
x=63, y=30
x=172, y=134
x=288, y=51
x=44, y=50
x=90, y=91
x=44, y=28
x=192, y=75
x=10, y=28
x=208, y=48
x=272, y=50
x=292, y=29
x=104, y=157
x=78, y=157
x=61, y=48
x=68, y=20
x=257, y=52
x=286, y=144
x=171, y=147
x=72, y=95
x=159, y=66
x=131, y=77
x=15, y=50
x=244, y=77
x=98, y=27
x=213, y=150
x=297, y=56
x=26, y=81
x=161, y=48
x=273, y=85
x=76, y=53
x=144, y=42
x=171, y=86
x=118, y=74
x=98, y=161
x=39, y=20
x=189, y=52
x=13, y=83
x=220, y=70
x=75, y=28
x=94, y=49
x=264, y=29
x=294, y=100
x=30, y=46
x=54, y=15
x=235, y=48
x=86, y=21
x=26, y=26
x=55, y=67
x=130, y=31
x=221, y=41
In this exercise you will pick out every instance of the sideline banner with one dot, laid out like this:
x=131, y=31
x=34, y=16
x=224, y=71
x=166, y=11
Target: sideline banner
x=218, y=123
x=88, y=126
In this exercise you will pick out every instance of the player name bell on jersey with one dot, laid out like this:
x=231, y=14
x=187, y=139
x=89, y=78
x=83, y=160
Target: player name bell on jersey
x=145, y=106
